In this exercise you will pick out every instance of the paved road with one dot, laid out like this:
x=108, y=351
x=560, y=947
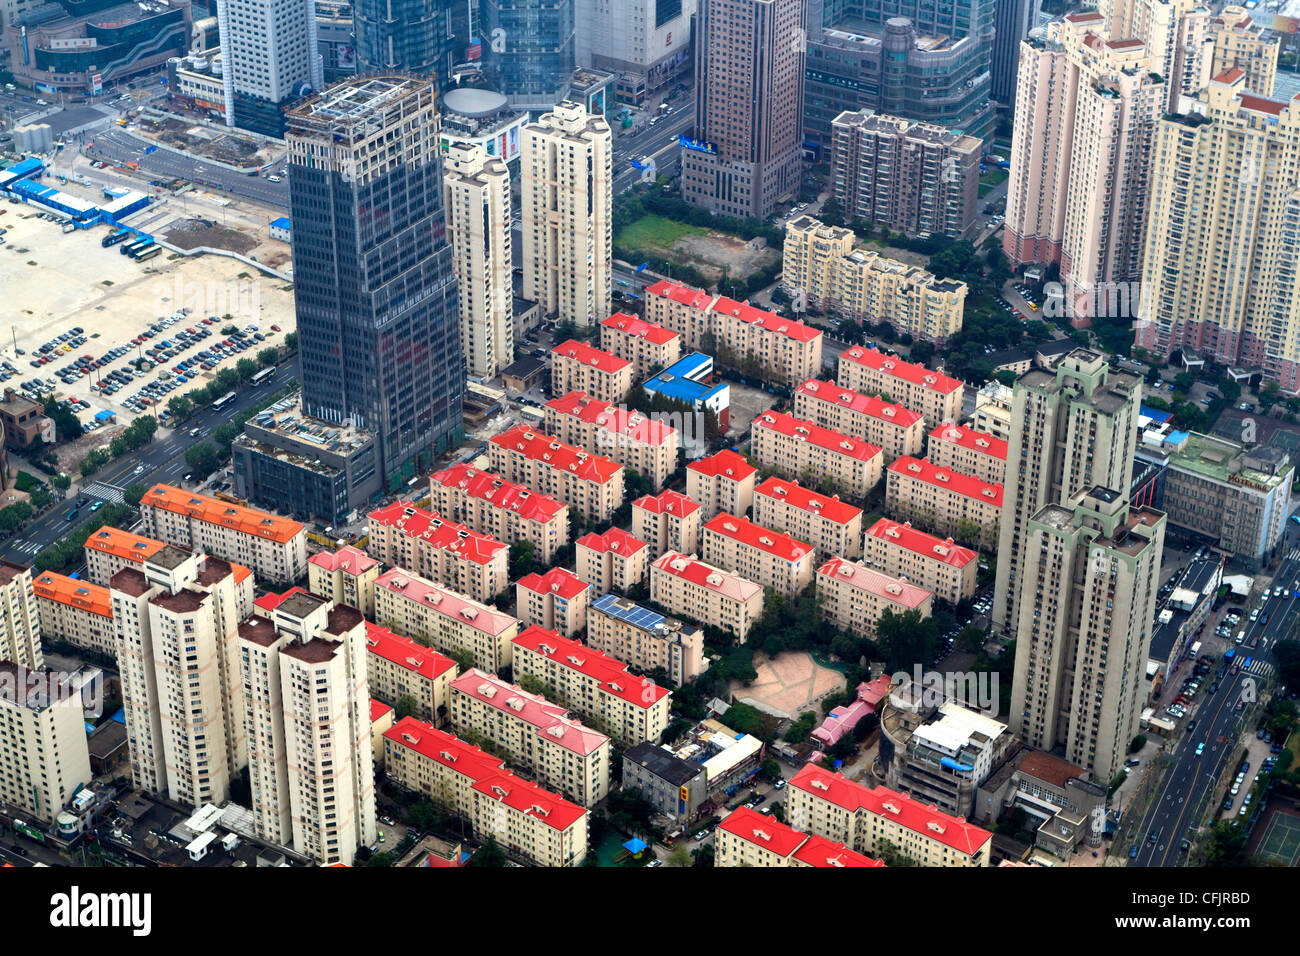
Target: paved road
x=659, y=142
x=1176, y=812
x=118, y=146
x=161, y=460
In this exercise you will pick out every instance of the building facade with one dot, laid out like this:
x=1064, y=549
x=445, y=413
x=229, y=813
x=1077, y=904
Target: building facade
x=770, y=558
x=579, y=367
x=969, y=451
x=346, y=576
x=944, y=501
x=555, y=601
x=446, y=621
x=588, y=483
x=612, y=561
x=645, y=639
x=723, y=482
x=894, y=428
x=855, y=597
x=476, y=193
x=374, y=283
x=831, y=526
x=649, y=347
x=668, y=521
x=749, y=84
x=43, y=750
x=648, y=446
x=566, y=207
x=799, y=448
x=75, y=611
x=937, y=396
x=398, y=667
x=507, y=511
x=909, y=177
x=701, y=592
x=407, y=537
x=270, y=51
x=947, y=570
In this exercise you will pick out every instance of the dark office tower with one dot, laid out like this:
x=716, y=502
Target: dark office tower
x=378, y=331
x=1013, y=20
x=749, y=76
x=409, y=35
x=529, y=46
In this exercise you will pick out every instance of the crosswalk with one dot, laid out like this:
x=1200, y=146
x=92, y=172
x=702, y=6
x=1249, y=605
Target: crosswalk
x=110, y=493
x=1261, y=668
x=1293, y=554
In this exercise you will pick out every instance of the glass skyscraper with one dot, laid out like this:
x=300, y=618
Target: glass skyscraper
x=378, y=328
x=410, y=35
x=529, y=45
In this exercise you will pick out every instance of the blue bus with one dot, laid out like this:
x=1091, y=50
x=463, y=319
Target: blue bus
x=114, y=238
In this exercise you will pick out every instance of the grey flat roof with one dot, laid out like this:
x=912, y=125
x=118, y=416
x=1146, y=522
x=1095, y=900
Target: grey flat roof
x=663, y=764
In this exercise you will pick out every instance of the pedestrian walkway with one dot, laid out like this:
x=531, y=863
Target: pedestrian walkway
x=100, y=489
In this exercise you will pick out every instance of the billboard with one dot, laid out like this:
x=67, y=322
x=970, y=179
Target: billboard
x=97, y=84
x=698, y=145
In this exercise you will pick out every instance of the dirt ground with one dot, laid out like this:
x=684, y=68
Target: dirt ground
x=746, y=404
x=790, y=683
x=67, y=279
x=194, y=138
x=718, y=252
x=192, y=233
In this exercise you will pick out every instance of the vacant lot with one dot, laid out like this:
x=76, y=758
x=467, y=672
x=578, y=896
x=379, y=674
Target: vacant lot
x=790, y=683
x=712, y=253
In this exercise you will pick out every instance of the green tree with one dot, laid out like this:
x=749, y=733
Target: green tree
x=133, y=494
x=522, y=559
x=245, y=368
x=489, y=854
x=906, y=639
x=61, y=481
x=406, y=707
x=1137, y=743
x=680, y=856
x=268, y=357
x=180, y=406
x=202, y=460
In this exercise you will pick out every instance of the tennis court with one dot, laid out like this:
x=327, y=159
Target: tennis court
x=1280, y=844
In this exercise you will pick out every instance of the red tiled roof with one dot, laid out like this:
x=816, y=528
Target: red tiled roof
x=872, y=405
x=985, y=443
x=538, y=446
x=1052, y=769
x=819, y=851
x=924, y=819
x=631, y=325
x=815, y=434
x=1259, y=104
x=768, y=321
x=124, y=544
x=611, y=675
x=405, y=652
x=347, y=558
x=614, y=539
x=875, y=582
x=805, y=499
x=679, y=292
x=270, y=601
x=489, y=775
x=762, y=830
x=456, y=539
x=590, y=355
x=930, y=473
x=629, y=424
x=667, y=502
x=559, y=581
x=918, y=542
x=907, y=371
x=1228, y=76
x=756, y=536
x=482, y=617
x=726, y=463
x=500, y=493
x=706, y=575
x=378, y=709
x=550, y=721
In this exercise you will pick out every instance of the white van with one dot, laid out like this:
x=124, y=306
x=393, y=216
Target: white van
x=272, y=179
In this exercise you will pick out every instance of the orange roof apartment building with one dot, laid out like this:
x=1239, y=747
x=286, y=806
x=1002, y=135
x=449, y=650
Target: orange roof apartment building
x=75, y=611
x=274, y=547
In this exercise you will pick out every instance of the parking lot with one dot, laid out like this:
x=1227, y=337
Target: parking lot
x=92, y=313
